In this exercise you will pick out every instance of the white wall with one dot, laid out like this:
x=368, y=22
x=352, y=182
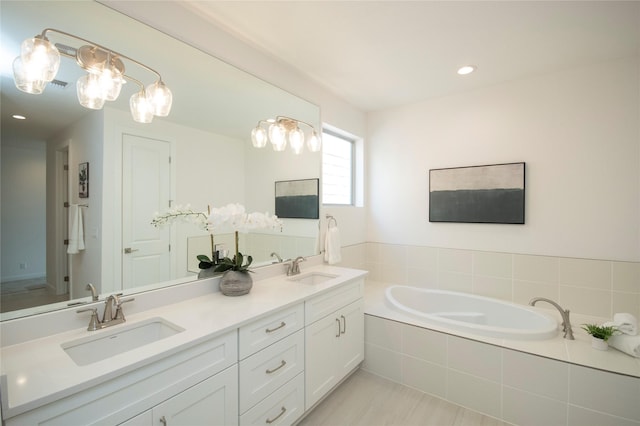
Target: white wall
x=578, y=132
x=23, y=210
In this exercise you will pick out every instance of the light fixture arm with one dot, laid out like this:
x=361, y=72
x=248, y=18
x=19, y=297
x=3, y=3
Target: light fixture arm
x=113, y=53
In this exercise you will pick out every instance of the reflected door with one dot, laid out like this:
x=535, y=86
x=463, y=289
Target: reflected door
x=146, y=189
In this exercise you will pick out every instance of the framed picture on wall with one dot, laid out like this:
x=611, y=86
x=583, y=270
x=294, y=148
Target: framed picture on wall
x=478, y=194
x=83, y=180
x=298, y=199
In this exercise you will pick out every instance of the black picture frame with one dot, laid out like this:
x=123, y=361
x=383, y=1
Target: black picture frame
x=298, y=199
x=492, y=193
x=83, y=180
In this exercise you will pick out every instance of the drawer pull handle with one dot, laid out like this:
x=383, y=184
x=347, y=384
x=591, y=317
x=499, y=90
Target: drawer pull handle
x=338, y=321
x=163, y=421
x=344, y=322
x=282, y=364
x=282, y=411
x=271, y=330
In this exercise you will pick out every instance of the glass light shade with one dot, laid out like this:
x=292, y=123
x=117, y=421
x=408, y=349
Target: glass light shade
x=296, y=140
x=89, y=91
x=259, y=137
x=24, y=80
x=314, y=143
x=110, y=83
x=41, y=58
x=160, y=98
x=277, y=136
x=141, y=108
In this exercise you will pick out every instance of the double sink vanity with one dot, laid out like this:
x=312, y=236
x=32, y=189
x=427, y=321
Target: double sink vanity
x=263, y=358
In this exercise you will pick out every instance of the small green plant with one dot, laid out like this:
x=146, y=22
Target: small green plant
x=235, y=264
x=600, y=331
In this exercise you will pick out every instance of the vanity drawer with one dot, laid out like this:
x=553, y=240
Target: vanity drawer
x=282, y=407
x=321, y=306
x=267, y=370
x=265, y=331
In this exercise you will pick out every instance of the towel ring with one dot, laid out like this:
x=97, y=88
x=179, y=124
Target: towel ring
x=331, y=218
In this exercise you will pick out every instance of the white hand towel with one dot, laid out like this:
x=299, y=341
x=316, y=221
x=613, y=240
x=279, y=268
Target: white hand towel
x=76, y=230
x=625, y=323
x=626, y=343
x=332, y=246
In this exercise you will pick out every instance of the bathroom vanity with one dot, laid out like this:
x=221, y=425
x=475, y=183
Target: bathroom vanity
x=267, y=357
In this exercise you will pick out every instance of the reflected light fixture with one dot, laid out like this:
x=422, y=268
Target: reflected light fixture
x=283, y=130
x=39, y=62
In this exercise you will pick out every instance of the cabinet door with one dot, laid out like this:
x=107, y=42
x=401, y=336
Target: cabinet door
x=320, y=358
x=211, y=402
x=351, y=342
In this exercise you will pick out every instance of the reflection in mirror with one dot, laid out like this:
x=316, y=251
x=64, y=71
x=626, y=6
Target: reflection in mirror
x=201, y=155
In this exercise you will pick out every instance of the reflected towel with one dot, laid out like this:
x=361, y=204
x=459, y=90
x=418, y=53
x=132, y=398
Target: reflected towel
x=625, y=323
x=76, y=230
x=332, y=246
x=627, y=344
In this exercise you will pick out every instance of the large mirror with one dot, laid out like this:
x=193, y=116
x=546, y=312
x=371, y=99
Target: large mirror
x=206, y=136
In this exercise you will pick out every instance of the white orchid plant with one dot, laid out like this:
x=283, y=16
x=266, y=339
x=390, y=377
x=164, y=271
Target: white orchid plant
x=231, y=217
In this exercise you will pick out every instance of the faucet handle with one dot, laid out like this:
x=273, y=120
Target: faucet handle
x=94, y=322
x=119, y=313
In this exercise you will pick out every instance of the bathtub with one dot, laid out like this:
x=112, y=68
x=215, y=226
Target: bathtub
x=470, y=313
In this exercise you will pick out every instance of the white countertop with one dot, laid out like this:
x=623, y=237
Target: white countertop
x=578, y=351
x=38, y=371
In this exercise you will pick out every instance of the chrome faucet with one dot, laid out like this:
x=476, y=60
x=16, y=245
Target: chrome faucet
x=94, y=293
x=294, y=266
x=564, y=313
x=277, y=256
x=109, y=318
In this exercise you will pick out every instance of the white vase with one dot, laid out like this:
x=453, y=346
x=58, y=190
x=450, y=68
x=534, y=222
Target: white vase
x=599, y=344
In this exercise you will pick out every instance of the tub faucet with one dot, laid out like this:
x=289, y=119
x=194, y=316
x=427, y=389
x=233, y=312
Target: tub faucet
x=277, y=256
x=564, y=313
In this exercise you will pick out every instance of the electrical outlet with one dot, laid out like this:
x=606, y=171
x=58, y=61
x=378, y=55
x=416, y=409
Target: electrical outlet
x=23, y=265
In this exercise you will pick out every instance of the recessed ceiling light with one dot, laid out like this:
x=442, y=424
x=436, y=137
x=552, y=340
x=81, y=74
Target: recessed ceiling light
x=467, y=69
x=19, y=117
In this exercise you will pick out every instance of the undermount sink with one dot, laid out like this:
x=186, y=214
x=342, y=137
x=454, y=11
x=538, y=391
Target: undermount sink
x=108, y=343
x=313, y=278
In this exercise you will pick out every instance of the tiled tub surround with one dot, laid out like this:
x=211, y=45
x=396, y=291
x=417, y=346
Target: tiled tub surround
x=596, y=288
x=522, y=382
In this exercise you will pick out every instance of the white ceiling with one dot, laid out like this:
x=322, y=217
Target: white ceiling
x=381, y=54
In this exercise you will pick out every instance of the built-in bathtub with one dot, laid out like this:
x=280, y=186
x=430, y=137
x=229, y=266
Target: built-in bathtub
x=455, y=357
x=471, y=313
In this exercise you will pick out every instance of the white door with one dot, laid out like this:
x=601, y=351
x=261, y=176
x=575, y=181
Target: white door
x=146, y=189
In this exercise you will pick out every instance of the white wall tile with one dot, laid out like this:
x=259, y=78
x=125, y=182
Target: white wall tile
x=524, y=291
x=541, y=269
x=626, y=277
x=425, y=278
x=585, y=273
x=424, y=376
x=455, y=281
x=614, y=394
x=527, y=409
x=455, y=260
x=586, y=301
x=498, y=288
x=382, y=332
x=493, y=264
x=579, y=416
x=424, y=344
x=535, y=374
x=626, y=302
x=383, y=362
x=474, y=392
x=479, y=359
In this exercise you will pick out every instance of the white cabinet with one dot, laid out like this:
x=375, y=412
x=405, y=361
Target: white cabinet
x=211, y=402
x=335, y=342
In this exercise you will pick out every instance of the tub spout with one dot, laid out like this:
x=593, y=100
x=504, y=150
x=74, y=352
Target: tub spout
x=566, y=323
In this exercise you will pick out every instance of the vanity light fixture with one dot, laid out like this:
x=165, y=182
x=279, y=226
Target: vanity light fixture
x=281, y=130
x=467, y=69
x=39, y=62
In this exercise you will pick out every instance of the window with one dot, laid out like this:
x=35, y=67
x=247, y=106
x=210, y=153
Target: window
x=337, y=168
